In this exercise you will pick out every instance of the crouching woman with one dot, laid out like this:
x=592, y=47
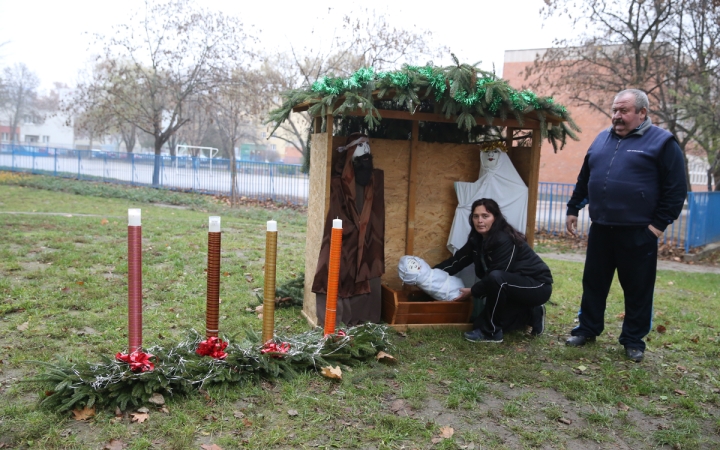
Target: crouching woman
x=514, y=280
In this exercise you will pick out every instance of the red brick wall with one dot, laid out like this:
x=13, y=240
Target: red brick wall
x=563, y=166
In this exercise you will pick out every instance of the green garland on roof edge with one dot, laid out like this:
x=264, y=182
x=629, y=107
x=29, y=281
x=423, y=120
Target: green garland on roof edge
x=179, y=370
x=461, y=90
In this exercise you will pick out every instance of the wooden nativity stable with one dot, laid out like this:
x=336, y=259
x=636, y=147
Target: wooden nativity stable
x=420, y=199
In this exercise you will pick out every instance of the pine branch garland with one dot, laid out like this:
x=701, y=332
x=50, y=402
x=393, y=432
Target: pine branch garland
x=462, y=91
x=179, y=370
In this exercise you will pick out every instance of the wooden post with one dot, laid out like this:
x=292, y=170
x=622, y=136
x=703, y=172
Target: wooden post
x=412, y=189
x=509, y=138
x=317, y=124
x=533, y=185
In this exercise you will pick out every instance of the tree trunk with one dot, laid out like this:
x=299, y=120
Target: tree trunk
x=158, y=161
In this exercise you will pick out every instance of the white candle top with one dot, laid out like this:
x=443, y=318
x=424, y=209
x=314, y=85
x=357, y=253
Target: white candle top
x=337, y=223
x=134, y=219
x=214, y=224
x=271, y=225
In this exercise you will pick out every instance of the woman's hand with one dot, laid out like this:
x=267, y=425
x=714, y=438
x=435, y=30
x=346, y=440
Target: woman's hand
x=464, y=296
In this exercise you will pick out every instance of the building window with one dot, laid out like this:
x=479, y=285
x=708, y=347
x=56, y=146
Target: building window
x=272, y=147
x=263, y=135
x=30, y=139
x=6, y=136
x=46, y=139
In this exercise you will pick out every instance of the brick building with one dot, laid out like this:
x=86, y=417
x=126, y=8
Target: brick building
x=564, y=166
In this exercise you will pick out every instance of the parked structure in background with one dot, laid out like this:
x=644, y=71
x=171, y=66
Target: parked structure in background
x=39, y=123
x=564, y=166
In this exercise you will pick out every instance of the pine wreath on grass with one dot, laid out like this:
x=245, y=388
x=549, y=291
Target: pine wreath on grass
x=462, y=91
x=289, y=293
x=179, y=370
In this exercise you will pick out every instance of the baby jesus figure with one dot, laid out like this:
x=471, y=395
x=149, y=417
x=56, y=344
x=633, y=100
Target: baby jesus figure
x=435, y=282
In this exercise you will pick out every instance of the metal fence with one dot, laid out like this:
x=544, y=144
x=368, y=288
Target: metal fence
x=698, y=224
x=256, y=180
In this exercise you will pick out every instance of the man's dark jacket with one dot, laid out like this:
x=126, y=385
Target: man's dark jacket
x=636, y=180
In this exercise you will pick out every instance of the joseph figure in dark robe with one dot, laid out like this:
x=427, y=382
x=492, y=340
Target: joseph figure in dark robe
x=356, y=197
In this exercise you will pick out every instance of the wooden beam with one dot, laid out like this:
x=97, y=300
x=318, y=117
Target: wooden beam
x=533, y=186
x=430, y=117
x=328, y=173
x=412, y=189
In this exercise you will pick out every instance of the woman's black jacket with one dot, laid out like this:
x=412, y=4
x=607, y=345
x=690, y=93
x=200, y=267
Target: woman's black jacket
x=503, y=254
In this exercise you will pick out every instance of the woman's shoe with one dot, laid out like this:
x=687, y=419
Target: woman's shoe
x=479, y=336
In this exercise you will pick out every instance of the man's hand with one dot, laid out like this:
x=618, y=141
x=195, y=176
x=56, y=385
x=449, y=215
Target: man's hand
x=464, y=295
x=655, y=231
x=571, y=224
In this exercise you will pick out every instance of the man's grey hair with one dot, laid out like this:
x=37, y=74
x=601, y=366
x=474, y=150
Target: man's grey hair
x=641, y=99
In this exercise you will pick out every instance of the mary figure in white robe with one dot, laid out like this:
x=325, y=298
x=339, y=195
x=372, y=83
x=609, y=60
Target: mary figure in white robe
x=499, y=181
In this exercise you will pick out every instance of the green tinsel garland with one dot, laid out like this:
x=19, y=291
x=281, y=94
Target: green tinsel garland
x=462, y=90
x=179, y=370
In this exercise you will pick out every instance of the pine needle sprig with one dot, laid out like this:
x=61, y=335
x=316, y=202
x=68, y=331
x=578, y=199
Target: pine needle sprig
x=460, y=91
x=179, y=370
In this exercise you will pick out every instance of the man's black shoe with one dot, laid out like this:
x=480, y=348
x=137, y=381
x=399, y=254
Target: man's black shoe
x=579, y=341
x=634, y=354
x=537, y=322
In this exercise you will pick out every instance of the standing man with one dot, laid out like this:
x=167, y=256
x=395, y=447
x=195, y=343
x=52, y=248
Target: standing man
x=634, y=179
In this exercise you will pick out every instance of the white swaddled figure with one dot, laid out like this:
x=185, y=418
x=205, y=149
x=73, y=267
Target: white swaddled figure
x=437, y=283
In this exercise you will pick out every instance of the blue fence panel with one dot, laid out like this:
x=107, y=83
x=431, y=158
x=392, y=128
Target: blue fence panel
x=703, y=224
x=552, y=209
x=256, y=180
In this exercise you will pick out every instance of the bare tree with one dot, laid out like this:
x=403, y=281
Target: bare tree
x=364, y=39
x=659, y=46
x=150, y=68
x=232, y=106
x=19, y=93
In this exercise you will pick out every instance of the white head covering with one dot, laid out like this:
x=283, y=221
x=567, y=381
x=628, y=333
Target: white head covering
x=499, y=181
x=437, y=283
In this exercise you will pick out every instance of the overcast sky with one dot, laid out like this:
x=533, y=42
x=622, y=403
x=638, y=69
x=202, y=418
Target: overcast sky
x=52, y=37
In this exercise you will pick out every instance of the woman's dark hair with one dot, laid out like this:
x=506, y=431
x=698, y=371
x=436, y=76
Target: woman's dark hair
x=500, y=224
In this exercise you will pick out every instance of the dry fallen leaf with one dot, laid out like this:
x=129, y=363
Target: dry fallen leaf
x=332, y=372
x=79, y=283
x=104, y=222
x=620, y=316
x=247, y=422
x=622, y=406
x=446, y=432
x=259, y=308
x=83, y=414
x=385, y=357
x=249, y=278
x=565, y=421
x=238, y=414
x=661, y=329
x=292, y=412
x=24, y=326
x=115, y=444
x=679, y=392
x=397, y=405
x=210, y=447
x=139, y=417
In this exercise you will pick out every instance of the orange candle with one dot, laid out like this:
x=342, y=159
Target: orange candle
x=333, y=277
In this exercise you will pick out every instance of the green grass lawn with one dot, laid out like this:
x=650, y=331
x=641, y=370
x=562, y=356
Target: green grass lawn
x=63, y=294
